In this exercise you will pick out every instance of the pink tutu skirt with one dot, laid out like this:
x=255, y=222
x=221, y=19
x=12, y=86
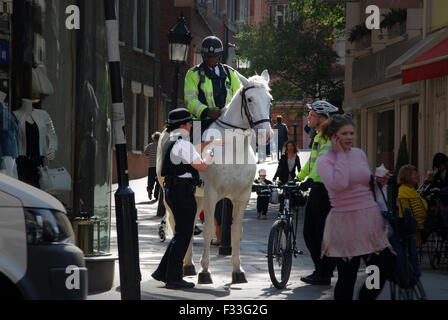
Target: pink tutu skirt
x=354, y=233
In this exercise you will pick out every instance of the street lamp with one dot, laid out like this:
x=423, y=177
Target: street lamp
x=179, y=39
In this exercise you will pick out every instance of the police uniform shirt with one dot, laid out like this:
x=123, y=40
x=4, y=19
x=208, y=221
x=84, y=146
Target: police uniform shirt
x=186, y=151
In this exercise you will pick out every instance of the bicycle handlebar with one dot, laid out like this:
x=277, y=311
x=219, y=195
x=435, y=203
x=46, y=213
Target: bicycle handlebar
x=273, y=186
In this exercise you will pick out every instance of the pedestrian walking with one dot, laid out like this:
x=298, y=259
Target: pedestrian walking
x=318, y=205
x=354, y=228
x=282, y=135
x=151, y=152
x=289, y=164
x=262, y=195
x=181, y=163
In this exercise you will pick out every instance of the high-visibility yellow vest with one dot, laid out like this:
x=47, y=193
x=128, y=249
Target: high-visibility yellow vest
x=191, y=90
x=319, y=148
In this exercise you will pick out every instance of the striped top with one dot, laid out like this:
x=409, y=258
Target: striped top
x=151, y=152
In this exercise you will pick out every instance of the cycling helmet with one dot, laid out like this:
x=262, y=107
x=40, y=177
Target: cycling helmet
x=323, y=107
x=212, y=47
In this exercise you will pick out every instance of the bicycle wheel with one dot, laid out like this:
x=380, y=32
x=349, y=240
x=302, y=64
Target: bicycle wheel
x=279, y=255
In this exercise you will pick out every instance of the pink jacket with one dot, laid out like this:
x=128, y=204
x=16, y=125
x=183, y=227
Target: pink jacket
x=346, y=176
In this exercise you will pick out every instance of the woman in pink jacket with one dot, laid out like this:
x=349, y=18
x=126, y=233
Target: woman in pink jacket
x=354, y=228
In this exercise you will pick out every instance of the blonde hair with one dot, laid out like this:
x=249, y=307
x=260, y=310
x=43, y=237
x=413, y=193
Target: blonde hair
x=404, y=174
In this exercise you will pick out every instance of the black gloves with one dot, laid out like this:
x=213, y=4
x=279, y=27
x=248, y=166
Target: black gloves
x=304, y=186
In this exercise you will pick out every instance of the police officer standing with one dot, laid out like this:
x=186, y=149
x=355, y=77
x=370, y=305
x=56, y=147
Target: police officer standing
x=181, y=163
x=318, y=205
x=209, y=87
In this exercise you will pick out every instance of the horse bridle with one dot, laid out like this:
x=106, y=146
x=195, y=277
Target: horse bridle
x=245, y=108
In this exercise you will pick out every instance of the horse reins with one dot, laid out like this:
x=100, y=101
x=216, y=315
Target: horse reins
x=245, y=107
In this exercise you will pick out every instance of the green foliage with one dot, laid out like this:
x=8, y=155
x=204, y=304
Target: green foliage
x=358, y=32
x=325, y=18
x=403, y=155
x=393, y=17
x=299, y=53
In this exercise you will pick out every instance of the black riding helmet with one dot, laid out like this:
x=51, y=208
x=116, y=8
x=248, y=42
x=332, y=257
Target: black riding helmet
x=179, y=116
x=212, y=47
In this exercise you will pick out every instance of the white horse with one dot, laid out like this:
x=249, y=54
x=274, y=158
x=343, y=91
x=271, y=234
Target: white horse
x=227, y=178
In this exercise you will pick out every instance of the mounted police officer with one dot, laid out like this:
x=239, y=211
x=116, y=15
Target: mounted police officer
x=181, y=163
x=318, y=205
x=209, y=87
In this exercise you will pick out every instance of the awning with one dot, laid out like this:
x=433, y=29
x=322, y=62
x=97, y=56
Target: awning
x=431, y=40
x=431, y=64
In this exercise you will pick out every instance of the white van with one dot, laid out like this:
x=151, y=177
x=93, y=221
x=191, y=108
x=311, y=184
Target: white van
x=38, y=258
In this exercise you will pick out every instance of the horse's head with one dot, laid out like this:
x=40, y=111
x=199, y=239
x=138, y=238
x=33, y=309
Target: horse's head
x=257, y=102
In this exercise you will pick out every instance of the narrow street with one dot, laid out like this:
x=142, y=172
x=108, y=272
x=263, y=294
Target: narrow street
x=253, y=257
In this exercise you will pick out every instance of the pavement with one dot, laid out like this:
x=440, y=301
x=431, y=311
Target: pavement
x=253, y=258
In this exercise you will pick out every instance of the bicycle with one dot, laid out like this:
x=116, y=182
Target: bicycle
x=282, y=243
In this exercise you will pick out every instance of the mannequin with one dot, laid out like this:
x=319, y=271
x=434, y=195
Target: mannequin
x=8, y=139
x=35, y=126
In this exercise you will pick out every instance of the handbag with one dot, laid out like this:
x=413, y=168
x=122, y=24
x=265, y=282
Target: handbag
x=55, y=180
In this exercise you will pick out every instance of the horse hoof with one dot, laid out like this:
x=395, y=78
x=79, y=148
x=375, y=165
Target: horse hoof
x=205, y=278
x=189, y=271
x=239, y=277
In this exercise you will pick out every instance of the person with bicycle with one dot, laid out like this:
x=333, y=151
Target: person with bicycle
x=354, y=228
x=318, y=205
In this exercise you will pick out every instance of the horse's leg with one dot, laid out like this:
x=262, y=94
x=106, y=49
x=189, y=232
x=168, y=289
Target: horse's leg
x=189, y=268
x=238, y=275
x=209, y=214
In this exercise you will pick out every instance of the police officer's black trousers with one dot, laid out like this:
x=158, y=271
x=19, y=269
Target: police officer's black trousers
x=316, y=212
x=182, y=202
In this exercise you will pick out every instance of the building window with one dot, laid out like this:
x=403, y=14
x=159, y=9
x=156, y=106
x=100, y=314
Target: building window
x=243, y=10
x=138, y=33
x=215, y=6
x=385, y=139
x=231, y=10
x=146, y=126
x=134, y=121
x=135, y=25
x=148, y=27
x=117, y=14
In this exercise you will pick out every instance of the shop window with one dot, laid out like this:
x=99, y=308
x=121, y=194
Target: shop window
x=385, y=139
